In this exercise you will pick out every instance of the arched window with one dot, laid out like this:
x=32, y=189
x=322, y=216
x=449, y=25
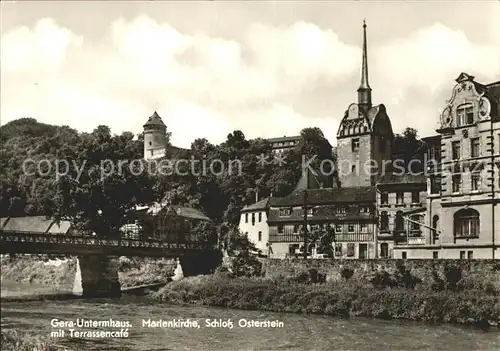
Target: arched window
x=384, y=221
x=384, y=250
x=399, y=221
x=466, y=223
x=435, y=225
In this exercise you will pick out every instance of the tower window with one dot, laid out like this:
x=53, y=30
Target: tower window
x=355, y=144
x=150, y=143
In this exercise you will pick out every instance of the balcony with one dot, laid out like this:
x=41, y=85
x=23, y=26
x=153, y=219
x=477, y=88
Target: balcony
x=414, y=237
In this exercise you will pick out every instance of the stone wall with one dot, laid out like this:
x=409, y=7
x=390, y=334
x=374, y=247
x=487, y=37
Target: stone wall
x=484, y=270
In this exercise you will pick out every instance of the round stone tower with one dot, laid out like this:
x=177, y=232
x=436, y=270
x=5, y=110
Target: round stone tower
x=155, y=137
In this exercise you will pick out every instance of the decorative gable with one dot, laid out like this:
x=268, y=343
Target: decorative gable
x=464, y=77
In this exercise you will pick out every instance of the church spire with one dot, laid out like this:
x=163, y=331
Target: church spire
x=364, y=90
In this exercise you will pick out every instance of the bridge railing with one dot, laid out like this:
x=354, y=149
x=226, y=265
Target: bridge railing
x=47, y=238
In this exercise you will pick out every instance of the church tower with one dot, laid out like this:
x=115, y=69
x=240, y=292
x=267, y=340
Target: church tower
x=364, y=138
x=155, y=137
x=364, y=90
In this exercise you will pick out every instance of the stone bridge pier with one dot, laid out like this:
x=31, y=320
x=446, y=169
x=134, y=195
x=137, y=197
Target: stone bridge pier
x=96, y=276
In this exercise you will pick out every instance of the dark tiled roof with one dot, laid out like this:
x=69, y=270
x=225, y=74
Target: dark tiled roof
x=283, y=138
x=260, y=205
x=154, y=120
x=325, y=196
x=38, y=224
x=182, y=211
x=389, y=178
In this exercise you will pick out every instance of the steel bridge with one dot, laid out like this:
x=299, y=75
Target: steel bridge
x=24, y=242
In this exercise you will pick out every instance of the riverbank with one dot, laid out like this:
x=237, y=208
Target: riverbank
x=13, y=340
x=348, y=299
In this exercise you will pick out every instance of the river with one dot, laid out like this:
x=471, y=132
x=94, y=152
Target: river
x=300, y=332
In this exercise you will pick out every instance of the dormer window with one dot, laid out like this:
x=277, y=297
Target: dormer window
x=465, y=115
x=285, y=212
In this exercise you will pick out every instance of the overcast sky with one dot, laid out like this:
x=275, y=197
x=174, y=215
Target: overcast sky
x=267, y=68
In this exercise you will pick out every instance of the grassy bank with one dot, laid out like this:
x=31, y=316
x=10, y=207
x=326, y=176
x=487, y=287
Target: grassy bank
x=13, y=340
x=335, y=299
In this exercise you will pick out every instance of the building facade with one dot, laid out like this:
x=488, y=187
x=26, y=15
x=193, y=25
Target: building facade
x=253, y=223
x=463, y=215
x=281, y=144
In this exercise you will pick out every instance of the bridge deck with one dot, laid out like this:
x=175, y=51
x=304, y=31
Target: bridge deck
x=41, y=243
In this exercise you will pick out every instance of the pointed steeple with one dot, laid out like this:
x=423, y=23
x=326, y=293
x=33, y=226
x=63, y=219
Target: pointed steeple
x=364, y=90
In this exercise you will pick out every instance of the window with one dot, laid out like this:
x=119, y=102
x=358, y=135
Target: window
x=355, y=144
x=416, y=221
x=435, y=255
x=403, y=255
x=296, y=228
x=246, y=217
x=364, y=209
x=310, y=211
x=363, y=227
x=466, y=223
x=475, y=179
x=456, y=180
x=455, y=150
x=260, y=236
x=280, y=229
x=435, y=184
x=350, y=228
x=285, y=212
x=384, y=221
x=399, y=221
x=341, y=210
x=465, y=115
x=338, y=228
x=399, y=198
x=415, y=197
x=384, y=250
x=260, y=216
x=338, y=249
x=384, y=198
x=474, y=147
x=462, y=255
x=469, y=255
x=350, y=249
x=253, y=218
x=353, y=169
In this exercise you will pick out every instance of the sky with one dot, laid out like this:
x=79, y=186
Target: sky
x=211, y=67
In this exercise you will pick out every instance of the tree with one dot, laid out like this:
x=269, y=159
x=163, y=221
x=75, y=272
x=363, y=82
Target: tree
x=105, y=196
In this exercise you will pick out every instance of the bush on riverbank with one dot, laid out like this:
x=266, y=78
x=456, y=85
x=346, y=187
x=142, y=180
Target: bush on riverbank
x=11, y=340
x=346, y=299
x=141, y=271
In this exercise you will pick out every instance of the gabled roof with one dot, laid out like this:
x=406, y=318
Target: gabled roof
x=187, y=212
x=37, y=224
x=260, y=205
x=326, y=196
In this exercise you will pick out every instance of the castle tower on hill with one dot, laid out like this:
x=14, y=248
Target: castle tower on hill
x=155, y=137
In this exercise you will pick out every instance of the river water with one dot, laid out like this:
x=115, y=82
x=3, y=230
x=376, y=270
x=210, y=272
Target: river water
x=300, y=332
